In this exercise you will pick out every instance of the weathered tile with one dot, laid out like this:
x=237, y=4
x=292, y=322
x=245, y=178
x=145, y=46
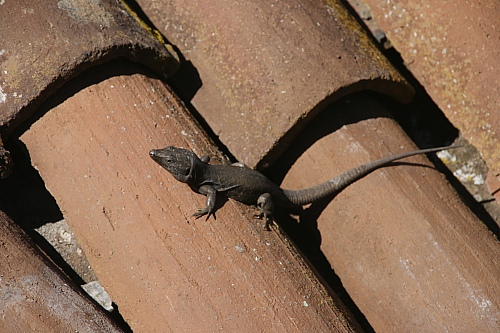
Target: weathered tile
x=452, y=48
x=36, y=296
x=269, y=67
x=46, y=43
x=165, y=270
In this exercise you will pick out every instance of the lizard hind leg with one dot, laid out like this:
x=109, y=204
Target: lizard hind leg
x=265, y=207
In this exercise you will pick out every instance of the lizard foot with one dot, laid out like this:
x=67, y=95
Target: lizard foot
x=265, y=209
x=202, y=212
x=266, y=216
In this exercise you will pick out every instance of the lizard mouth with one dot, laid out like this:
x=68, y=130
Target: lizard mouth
x=159, y=156
x=156, y=155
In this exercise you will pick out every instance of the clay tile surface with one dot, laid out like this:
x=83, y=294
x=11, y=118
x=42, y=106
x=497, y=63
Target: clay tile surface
x=452, y=48
x=269, y=67
x=44, y=44
x=408, y=252
x=35, y=297
x=166, y=271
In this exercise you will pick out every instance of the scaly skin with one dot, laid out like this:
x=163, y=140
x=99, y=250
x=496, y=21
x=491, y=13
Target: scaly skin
x=253, y=188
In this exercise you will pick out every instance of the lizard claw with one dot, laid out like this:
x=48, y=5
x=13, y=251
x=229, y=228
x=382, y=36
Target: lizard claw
x=261, y=214
x=265, y=209
x=202, y=212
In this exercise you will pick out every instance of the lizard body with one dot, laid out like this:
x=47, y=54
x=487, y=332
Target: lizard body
x=251, y=187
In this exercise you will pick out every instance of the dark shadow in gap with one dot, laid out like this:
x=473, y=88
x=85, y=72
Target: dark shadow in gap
x=23, y=195
x=304, y=231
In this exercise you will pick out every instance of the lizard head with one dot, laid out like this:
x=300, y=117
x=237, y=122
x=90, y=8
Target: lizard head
x=179, y=162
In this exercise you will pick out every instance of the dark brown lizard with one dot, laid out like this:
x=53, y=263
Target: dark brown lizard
x=253, y=188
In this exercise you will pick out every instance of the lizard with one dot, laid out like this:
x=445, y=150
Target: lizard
x=251, y=187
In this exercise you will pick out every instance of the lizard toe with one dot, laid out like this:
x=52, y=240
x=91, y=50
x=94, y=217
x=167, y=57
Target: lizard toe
x=199, y=213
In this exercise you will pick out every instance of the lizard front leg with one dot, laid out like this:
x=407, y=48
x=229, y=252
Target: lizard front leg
x=211, y=194
x=265, y=207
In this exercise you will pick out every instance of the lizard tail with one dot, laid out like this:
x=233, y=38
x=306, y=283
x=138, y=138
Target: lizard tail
x=337, y=184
